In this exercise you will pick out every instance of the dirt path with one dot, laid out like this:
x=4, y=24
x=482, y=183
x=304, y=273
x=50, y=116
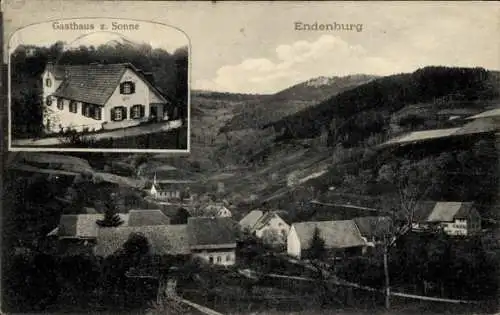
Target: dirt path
x=118, y=133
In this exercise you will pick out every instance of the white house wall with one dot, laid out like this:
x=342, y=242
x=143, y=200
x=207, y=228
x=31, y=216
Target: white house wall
x=227, y=257
x=66, y=119
x=277, y=224
x=293, y=243
x=143, y=95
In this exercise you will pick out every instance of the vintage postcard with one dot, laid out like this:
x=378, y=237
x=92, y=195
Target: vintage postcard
x=98, y=84
x=250, y=158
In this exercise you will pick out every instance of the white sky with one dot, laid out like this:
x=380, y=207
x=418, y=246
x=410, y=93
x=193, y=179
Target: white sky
x=253, y=47
x=44, y=34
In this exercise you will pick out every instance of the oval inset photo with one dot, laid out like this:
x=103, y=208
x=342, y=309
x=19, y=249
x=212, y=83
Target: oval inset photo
x=99, y=85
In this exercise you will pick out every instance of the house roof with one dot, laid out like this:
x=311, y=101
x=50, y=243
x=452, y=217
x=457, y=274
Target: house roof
x=336, y=234
x=490, y=113
x=251, y=219
x=163, y=239
x=431, y=211
x=214, y=209
x=474, y=127
x=256, y=219
x=147, y=218
x=205, y=231
x=264, y=219
x=374, y=226
x=94, y=83
x=423, y=135
x=82, y=225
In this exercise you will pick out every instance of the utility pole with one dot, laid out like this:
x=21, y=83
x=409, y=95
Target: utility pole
x=386, y=272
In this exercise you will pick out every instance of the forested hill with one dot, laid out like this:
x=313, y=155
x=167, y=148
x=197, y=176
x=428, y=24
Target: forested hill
x=270, y=108
x=361, y=112
x=170, y=72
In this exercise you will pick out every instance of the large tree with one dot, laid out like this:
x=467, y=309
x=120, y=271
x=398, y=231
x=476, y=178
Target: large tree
x=317, y=248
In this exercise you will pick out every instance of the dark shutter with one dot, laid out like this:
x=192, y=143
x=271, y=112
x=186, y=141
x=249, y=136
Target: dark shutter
x=84, y=105
x=143, y=110
x=124, y=113
x=132, y=87
x=121, y=88
x=112, y=114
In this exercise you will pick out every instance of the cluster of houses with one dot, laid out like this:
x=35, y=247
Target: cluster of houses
x=213, y=236
x=210, y=238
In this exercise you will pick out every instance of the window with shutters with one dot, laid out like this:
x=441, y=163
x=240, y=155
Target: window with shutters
x=60, y=103
x=73, y=107
x=86, y=109
x=118, y=113
x=127, y=87
x=219, y=259
x=137, y=112
x=48, y=101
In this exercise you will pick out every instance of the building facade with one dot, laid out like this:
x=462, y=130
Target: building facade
x=453, y=218
x=340, y=238
x=98, y=96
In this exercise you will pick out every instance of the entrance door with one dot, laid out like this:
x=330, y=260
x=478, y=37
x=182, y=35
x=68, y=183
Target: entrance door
x=154, y=113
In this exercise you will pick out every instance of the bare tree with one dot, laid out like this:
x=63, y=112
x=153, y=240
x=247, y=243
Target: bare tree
x=412, y=183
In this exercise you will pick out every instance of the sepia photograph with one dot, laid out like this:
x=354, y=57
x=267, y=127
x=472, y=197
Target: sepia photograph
x=99, y=84
x=282, y=158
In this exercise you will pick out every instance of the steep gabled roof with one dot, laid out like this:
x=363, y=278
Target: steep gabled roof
x=94, y=83
x=257, y=219
x=210, y=231
x=431, y=211
x=336, y=234
x=251, y=219
x=163, y=239
x=147, y=218
x=264, y=220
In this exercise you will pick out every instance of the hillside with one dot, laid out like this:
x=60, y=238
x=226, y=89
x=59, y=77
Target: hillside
x=268, y=109
x=355, y=115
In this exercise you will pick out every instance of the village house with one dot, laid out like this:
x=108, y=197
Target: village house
x=260, y=223
x=213, y=239
x=453, y=218
x=217, y=210
x=100, y=96
x=341, y=238
x=77, y=233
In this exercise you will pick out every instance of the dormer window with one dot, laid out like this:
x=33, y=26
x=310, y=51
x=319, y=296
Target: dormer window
x=127, y=87
x=48, y=82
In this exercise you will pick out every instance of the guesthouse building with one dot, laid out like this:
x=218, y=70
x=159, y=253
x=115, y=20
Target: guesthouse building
x=100, y=96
